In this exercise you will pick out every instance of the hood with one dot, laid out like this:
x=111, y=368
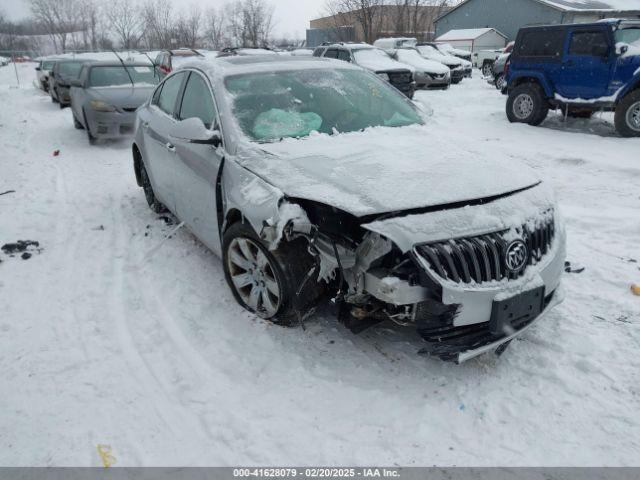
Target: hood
x=121, y=96
x=383, y=65
x=425, y=65
x=384, y=170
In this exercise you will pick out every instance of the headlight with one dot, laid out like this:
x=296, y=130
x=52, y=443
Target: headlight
x=100, y=106
x=383, y=76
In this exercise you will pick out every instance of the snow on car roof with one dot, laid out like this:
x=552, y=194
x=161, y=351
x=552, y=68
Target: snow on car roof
x=261, y=63
x=595, y=5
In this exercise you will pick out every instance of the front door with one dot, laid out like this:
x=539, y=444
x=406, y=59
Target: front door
x=586, y=66
x=161, y=163
x=198, y=165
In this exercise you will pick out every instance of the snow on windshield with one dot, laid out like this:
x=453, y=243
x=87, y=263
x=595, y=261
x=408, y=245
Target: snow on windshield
x=117, y=75
x=270, y=106
x=370, y=55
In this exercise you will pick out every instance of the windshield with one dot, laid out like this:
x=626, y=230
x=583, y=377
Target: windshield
x=628, y=35
x=71, y=69
x=117, y=75
x=430, y=51
x=406, y=55
x=47, y=65
x=369, y=55
x=272, y=106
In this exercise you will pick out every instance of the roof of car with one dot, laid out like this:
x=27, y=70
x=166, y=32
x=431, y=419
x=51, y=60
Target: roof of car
x=184, y=52
x=599, y=23
x=262, y=63
x=350, y=46
x=106, y=63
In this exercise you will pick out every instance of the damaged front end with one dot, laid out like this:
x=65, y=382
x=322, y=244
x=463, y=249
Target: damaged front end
x=448, y=290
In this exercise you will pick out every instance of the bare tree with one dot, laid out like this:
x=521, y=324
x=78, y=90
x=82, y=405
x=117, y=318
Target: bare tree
x=364, y=14
x=188, y=27
x=158, y=23
x=250, y=22
x=59, y=17
x=215, y=29
x=126, y=22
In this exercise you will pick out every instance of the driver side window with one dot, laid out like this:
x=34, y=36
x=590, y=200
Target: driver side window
x=169, y=93
x=197, y=101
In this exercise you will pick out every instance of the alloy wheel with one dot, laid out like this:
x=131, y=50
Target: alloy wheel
x=523, y=106
x=253, y=277
x=633, y=117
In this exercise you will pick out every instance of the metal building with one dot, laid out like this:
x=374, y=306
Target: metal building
x=508, y=16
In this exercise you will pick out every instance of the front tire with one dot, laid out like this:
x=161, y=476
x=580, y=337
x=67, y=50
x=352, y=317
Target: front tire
x=527, y=104
x=77, y=124
x=500, y=82
x=154, y=204
x=627, y=118
x=266, y=282
x=487, y=68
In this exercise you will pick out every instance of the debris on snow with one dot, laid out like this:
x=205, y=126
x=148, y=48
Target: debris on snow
x=7, y=192
x=20, y=246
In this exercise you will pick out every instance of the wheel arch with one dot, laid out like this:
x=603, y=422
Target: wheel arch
x=531, y=77
x=631, y=87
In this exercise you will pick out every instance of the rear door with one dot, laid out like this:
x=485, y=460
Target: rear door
x=586, y=64
x=198, y=165
x=159, y=149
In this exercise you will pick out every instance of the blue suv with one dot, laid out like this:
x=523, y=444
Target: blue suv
x=578, y=68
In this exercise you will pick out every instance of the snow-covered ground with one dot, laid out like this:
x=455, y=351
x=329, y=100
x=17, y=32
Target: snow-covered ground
x=104, y=343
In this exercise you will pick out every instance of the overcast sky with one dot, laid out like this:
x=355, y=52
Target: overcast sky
x=291, y=16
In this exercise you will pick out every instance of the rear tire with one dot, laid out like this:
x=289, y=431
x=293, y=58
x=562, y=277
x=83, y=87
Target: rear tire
x=627, y=118
x=527, y=104
x=487, y=68
x=500, y=82
x=266, y=282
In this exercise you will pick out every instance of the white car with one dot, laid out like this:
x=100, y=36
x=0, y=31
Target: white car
x=460, y=68
x=451, y=50
x=4, y=61
x=315, y=180
x=427, y=73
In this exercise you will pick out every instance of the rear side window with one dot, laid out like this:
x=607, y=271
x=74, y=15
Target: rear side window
x=197, y=101
x=588, y=43
x=169, y=93
x=541, y=43
x=331, y=53
x=344, y=55
x=318, y=52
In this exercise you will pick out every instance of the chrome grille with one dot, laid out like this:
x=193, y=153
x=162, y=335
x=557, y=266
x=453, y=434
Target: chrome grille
x=482, y=258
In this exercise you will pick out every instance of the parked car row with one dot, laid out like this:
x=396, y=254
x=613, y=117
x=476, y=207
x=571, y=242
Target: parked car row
x=402, y=62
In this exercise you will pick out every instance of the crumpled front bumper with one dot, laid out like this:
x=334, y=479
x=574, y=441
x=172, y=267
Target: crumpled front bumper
x=558, y=298
x=111, y=125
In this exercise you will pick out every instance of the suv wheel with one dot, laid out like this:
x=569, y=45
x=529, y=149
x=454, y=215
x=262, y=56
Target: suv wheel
x=526, y=104
x=627, y=117
x=487, y=68
x=267, y=282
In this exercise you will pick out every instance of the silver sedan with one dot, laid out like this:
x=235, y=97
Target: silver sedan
x=315, y=179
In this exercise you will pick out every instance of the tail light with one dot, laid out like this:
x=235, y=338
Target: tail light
x=506, y=67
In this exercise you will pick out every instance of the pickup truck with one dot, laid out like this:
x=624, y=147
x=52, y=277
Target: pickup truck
x=484, y=59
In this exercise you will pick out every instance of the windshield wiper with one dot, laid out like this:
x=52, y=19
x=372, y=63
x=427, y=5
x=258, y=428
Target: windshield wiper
x=125, y=69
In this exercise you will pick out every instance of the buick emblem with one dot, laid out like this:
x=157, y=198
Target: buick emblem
x=516, y=256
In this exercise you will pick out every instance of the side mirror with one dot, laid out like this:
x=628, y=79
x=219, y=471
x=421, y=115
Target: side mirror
x=622, y=48
x=38, y=69
x=76, y=83
x=192, y=130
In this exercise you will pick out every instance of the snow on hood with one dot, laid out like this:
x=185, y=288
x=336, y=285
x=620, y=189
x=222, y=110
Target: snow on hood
x=502, y=214
x=421, y=64
x=384, y=170
x=377, y=61
x=122, y=96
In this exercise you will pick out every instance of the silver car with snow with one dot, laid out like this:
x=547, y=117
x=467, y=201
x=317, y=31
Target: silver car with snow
x=106, y=95
x=317, y=180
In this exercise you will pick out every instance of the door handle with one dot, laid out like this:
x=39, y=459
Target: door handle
x=170, y=147
x=145, y=125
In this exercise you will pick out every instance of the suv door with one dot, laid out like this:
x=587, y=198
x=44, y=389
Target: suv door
x=161, y=164
x=587, y=63
x=197, y=165
x=331, y=53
